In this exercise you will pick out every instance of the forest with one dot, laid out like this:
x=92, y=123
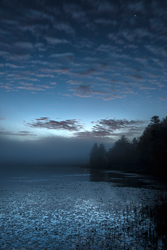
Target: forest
x=146, y=154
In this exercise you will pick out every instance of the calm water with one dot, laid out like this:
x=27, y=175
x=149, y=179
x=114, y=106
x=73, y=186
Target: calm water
x=74, y=208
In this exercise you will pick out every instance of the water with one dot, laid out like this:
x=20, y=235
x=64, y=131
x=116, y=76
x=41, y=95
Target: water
x=74, y=208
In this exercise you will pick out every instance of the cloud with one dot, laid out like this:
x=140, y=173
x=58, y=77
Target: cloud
x=105, y=22
x=53, y=83
x=131, y=46
x=106, y=48
x=75, y=12
x=142, y=60
x=83, y=43
x=116, y=124
x=14, y=66
x=103, y=7
x=69, y=56
x=147, y=88
x=44, y=122
x=8, y=87
x=87, y=91
x=163, y=98
x=88, y=72
x=19, y=133
x=158, y=51
x=116, y=38
x=74, y=82
x=137, y=77
x=83, y=91
x=136, y=7
x=31, y=87
x=111, y=97
x=137, y=34
x=90, y=134
x=56, y=41
x=24, y=45
x=68, y=29
x=65, y=71
x=111, y=128
x=50, y=42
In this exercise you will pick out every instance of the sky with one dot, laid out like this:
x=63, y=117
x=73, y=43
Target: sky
x=73, y=73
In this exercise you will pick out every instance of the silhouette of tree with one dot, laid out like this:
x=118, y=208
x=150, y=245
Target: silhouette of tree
x=148, y=154
x=120, y=155
x=134, y=143
x=134, y=151
x=152, y=147
x=143, y=158
x=155, y=120
x=94, y=156
x=102, y=156
x=159, y=147
x=98, y=156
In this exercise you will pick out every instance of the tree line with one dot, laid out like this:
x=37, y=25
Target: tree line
x=146, y=154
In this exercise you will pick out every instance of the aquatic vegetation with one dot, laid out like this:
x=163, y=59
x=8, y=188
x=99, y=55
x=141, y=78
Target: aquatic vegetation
x=45, y=214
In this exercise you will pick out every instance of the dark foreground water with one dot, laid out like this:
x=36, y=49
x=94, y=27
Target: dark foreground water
x=73, y=208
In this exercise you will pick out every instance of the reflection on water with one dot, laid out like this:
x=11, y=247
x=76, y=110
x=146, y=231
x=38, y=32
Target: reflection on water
x=119, y=178
x=111, y=211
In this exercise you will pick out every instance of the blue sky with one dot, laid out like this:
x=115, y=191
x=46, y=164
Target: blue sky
x=81, y=69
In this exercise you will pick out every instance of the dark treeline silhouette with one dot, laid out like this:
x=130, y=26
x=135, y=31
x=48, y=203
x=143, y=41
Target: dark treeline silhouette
x=147, y=154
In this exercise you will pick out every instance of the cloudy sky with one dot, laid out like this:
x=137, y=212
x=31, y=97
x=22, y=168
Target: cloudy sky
x=77, y=72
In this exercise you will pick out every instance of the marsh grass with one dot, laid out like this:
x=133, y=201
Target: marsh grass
x=142, y=228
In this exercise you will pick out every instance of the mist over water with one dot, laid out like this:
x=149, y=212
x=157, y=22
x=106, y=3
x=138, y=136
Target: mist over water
x=46, y=150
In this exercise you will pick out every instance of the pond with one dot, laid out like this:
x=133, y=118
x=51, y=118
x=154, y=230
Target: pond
x=75, y=208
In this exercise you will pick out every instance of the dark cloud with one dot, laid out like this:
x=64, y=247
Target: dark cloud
x=45, y=122
x=19, y=133
x=136, y=7
x=113, y=124
x=105, y=22
x=75, y=11
x=104, y=6
x=88, y=72
x=111, y=128
x=137, y=77
x=99, y=7
x=106, y=48
x=70, y=38
x=83, y=91
x=87, y=91
x=95, y=133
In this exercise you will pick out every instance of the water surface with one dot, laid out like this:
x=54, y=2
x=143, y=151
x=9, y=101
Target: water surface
x=75, y=208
